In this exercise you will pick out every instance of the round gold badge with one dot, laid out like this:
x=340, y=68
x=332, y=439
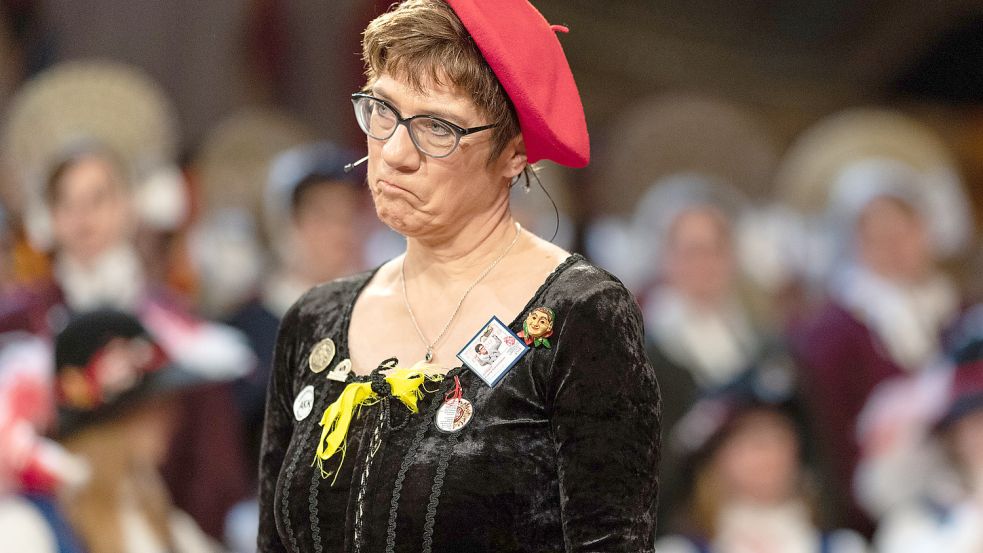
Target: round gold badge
x=321, y=355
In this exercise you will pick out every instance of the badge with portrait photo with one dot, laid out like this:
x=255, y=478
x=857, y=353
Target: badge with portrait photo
x=493, y=351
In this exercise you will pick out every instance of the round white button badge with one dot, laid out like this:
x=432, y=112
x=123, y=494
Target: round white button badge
x=304, y=403
x=454, y=415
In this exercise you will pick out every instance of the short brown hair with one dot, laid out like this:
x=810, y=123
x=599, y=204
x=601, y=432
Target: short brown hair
x=422, y=42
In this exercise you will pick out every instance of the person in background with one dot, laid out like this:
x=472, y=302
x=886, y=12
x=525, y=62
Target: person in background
x=948, y=513
x=33, y=468
x=749, y=486
x=887, y=309
x=700, y=334
x=312, y=209
x=313, y=214
x=114, y=388
x=93, y=263
x=96, y=265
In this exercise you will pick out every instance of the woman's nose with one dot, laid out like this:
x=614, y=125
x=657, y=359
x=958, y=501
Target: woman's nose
x=400, y=152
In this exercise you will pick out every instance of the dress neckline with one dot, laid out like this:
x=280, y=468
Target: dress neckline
x=514, y=325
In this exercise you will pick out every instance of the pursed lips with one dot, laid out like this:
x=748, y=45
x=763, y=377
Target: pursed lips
x=385, y=185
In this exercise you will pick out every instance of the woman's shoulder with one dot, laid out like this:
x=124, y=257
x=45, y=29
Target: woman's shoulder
x=579, y=280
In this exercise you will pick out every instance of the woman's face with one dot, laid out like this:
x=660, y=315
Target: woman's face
x=759, y=460
x=327, y=214
x=893, y=240
x=151, y=428
x=90, y=211
x=423, y=197
x=699, y=258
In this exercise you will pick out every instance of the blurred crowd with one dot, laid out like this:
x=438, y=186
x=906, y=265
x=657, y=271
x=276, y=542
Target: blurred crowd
x=819, y=353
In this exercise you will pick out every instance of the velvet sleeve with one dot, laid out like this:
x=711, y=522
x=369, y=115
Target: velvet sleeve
x=605, y=417
x=277, y=431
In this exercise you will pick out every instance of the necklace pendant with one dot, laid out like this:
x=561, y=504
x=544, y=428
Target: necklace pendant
x=429, y=356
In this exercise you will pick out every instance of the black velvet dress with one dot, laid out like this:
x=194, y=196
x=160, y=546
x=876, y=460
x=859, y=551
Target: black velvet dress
x=561, y=455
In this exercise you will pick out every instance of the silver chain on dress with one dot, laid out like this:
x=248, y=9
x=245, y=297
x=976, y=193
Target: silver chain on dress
x=402, y=278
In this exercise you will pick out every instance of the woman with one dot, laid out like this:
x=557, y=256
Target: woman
x=96, y=265
x=946, y=513
x=117, y=412
x=701, y=333
x=560, y=451
x=743, y=448
x=888, y=309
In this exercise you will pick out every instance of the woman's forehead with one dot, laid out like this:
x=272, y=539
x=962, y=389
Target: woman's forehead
x=432, y=98
x=91, y=171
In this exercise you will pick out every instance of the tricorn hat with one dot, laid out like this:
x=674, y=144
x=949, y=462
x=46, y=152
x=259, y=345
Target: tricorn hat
x=105, y=363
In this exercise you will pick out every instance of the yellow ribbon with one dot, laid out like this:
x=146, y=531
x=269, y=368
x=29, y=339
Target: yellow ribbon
x=405, y=384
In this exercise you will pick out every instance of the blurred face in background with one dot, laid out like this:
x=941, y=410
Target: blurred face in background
x=893, y=240
x=326, y=230
x=699, y=257
x=90, y=208
x=758, y=462
x=150, y=430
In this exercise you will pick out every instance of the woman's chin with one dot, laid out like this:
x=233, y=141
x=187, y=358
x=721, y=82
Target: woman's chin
x=404, y=221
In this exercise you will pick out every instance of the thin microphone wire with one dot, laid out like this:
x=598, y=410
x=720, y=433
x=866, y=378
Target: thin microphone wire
x=556, y=212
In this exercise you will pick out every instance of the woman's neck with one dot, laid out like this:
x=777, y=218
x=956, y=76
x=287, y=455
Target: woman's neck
x=463, y=254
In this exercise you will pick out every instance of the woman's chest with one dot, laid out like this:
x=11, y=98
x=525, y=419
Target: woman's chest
x=408, y=474
x=386, y=325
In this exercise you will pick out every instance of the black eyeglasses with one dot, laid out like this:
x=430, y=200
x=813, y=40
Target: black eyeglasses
x=432, y=135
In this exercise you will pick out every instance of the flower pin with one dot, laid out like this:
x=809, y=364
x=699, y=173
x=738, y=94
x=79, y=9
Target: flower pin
x=538, y=327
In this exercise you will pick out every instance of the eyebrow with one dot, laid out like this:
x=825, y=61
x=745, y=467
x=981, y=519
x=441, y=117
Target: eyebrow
x=449, y=116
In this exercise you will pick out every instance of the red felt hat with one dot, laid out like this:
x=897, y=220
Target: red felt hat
x=525, y=54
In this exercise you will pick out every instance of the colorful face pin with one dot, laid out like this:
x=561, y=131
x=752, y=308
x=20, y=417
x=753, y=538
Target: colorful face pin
x=321, y=355
x=538, y=327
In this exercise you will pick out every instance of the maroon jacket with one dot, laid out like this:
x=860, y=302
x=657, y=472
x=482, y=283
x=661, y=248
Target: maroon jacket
x=843, y=361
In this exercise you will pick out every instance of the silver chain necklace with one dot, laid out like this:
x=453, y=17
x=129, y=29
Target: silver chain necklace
x=402, y=279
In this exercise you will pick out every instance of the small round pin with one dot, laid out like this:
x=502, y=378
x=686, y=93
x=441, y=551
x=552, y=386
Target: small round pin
x=454, y=414
x=321, y=355
x=340, y=372
x=304, y=403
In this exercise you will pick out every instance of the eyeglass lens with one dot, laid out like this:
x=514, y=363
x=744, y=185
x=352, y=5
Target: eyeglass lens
x=432, y=136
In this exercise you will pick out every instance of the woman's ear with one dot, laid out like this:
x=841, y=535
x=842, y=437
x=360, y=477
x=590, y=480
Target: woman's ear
x=515, y=159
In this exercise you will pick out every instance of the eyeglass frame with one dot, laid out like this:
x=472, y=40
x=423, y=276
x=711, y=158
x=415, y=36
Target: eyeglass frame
x=459, y=131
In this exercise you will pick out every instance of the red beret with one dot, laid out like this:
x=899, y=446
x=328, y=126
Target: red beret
x=523, y=51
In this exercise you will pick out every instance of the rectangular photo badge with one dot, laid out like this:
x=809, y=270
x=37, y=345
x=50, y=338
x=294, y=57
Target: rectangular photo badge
x=493, y=351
